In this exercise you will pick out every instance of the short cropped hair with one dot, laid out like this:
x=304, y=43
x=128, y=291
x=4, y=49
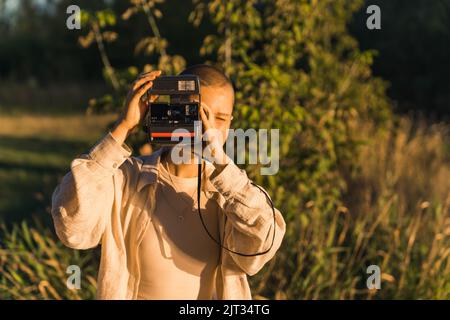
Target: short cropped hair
x=210, y=76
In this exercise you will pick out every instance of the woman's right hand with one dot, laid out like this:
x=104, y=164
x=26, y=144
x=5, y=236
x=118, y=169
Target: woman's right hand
x=135, y=106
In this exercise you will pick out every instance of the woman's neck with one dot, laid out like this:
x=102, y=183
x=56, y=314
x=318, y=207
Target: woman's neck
x=183, y=170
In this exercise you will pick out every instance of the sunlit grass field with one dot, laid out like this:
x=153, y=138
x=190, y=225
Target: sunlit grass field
x=35, y=151
x=396, y=215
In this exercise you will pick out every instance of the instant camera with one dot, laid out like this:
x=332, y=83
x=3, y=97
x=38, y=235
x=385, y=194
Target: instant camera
x=175, y=114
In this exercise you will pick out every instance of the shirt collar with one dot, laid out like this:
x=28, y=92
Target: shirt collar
x=149, y=171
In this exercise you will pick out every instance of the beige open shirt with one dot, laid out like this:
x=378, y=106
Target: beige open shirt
x=108, y=198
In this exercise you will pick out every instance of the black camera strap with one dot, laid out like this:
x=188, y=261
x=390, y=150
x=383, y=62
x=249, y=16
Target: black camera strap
x=199, y=184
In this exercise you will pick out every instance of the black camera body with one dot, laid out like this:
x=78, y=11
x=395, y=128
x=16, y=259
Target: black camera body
x=168, y=123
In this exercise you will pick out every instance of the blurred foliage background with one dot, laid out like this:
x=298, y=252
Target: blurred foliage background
x=363, y=116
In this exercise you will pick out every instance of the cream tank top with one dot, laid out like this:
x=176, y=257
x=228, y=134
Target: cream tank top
x=177, y=258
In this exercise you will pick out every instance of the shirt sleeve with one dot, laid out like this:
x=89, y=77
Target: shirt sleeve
x=82, y=203
x=252, y=220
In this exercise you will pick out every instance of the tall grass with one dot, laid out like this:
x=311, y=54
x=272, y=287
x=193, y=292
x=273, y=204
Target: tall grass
x=394, y=215
x=402, y=193
x=33, y=265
